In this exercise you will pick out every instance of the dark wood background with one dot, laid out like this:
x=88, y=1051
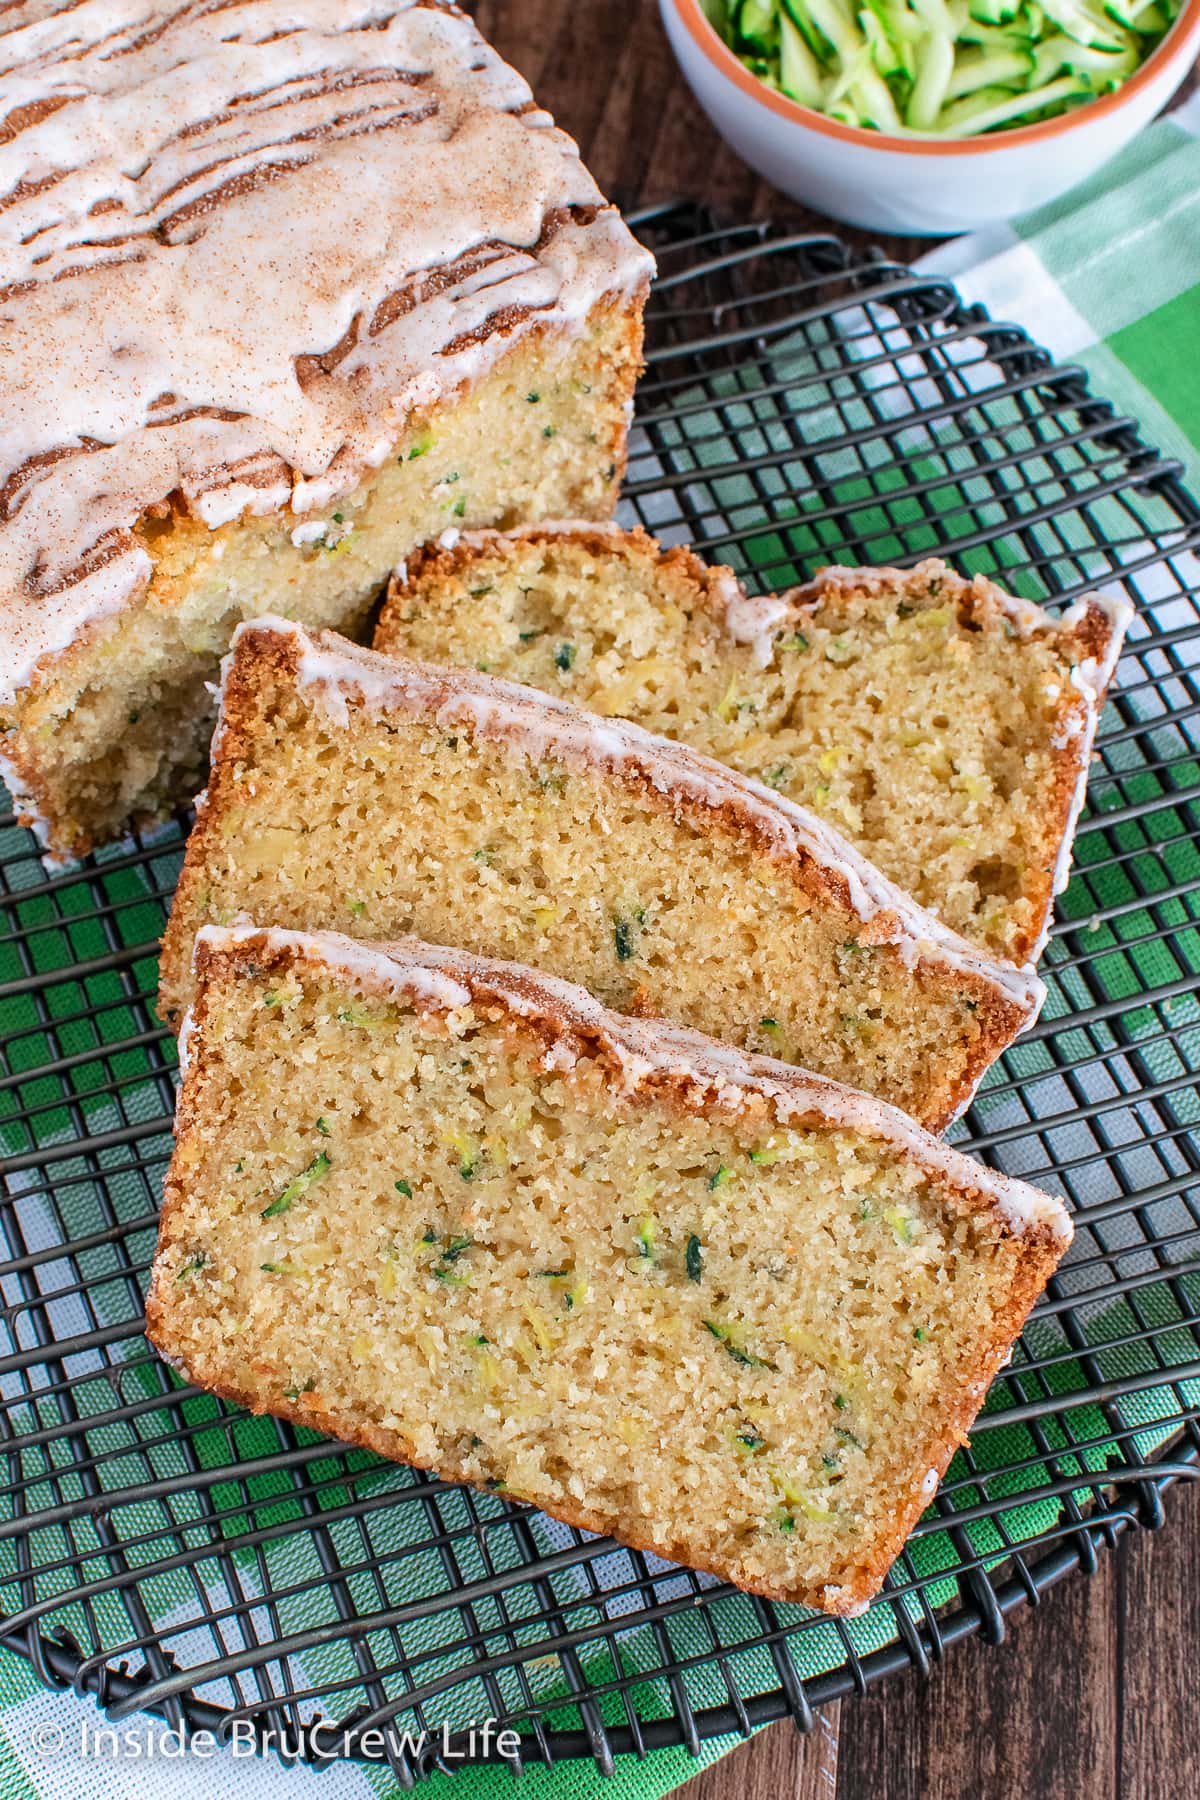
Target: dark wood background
x=1093, y=1696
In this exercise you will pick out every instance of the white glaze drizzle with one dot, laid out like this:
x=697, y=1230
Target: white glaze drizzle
x=183, y=1044
x=196, y=199
x=853, y=1609
x=538, y=725
x=25, y=807
x=753, y=620
x=1090, y=679
x=425, y=981
x=448, y=980
x=1025, y=616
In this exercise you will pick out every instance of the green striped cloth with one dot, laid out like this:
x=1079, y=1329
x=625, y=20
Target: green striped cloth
x=1110, y=279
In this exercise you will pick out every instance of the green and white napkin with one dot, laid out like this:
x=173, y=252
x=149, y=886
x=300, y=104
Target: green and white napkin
x=1108, y=277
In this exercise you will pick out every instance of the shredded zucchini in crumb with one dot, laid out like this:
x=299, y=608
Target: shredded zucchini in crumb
x=444, y=1264
x=624, y=941
x=487, y=1363
x=746, y=1439
x=566, y=1285
x=647, y=1237
x=901, y=1222
x=732, y=1340
x=360, y=1017
x=694, y=1258
x=469, y=1151
x=820, y=1351
x=540, y=1327
x=796, y=1498
x=727, y=707
x=299, y=1185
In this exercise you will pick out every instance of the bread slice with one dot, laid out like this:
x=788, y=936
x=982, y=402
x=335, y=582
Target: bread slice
x=456, y=1212
x=353, y=791
x=943, y=725
x=346, y=287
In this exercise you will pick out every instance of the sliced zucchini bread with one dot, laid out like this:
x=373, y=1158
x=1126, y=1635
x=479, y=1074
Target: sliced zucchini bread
x=358, y=792
x=458, y=1213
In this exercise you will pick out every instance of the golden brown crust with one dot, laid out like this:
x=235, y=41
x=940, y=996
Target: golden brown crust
x=1033, y=1257
x=1089, y=639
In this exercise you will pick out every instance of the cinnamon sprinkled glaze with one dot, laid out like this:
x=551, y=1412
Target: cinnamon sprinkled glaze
x=239, y=244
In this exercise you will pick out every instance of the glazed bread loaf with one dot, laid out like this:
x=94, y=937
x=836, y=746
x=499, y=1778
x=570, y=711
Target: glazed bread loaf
x=456, y=1212
x=285, y=296
x=944, y=726
x=353, y=791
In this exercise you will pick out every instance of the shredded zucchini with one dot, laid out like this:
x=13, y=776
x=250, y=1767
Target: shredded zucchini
x=940, y=68
x=694, y=1257
x=647, y=1238
x=299, y=1185
x=732, y=1340
x=796, y=1498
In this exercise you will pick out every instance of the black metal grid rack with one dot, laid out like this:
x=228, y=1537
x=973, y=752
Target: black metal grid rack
x=159, y=1550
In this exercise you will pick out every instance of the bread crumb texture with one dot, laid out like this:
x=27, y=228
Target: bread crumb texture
x=324, y=812
x=739, y=1343
x=929, y=717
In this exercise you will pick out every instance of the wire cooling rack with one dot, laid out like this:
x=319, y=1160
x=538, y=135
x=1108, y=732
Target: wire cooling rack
x=160, y=1550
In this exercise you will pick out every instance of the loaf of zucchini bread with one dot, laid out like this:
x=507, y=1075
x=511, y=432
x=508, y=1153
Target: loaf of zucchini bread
x=943, y=725
x=286, y=293
x=456, y=1212
x=359, y=792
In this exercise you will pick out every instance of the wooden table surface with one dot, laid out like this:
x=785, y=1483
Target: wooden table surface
x=1093, y=1695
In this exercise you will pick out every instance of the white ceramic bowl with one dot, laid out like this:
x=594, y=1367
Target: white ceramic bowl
x=918, y=185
